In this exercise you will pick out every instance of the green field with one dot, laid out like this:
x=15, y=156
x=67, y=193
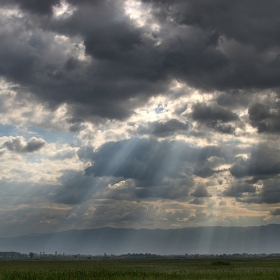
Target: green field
x=267, y=268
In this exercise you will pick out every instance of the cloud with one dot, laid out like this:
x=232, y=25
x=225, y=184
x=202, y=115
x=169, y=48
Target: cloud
x=56, y=67
x=205, y=113
x=201, y=191
x=235, y=99
x=172, y=189
x=146, y=160
x=215, y=161
x=203, y=171
x=231, y=21
x=107, y=84
x=264, y=160
x=75, y=188
x=264, y=118
x=209, y=158
x=269, y=193
x=151, y=161
x=275, y=212
x=153, y=168
x=76, y=127
x=225, y=30
x=115, y=45
x=164, y=129
x=36, y=7
x=19, y=145
x=238, y=189
x=197, y=201
x=215, y=117
x=62, y=155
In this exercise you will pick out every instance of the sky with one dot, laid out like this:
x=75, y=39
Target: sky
x=138, y=114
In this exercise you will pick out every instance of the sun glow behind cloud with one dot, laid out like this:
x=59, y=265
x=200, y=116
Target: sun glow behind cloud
x=63, y=10
x=138, y=12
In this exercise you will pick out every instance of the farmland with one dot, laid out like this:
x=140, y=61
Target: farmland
x=266, y=268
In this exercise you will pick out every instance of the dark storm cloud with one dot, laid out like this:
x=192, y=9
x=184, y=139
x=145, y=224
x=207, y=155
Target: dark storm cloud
x=224, y=128
x=129, y=66
x=146, y=160
x=171, y=188
x=203, y=171
x=76, y=188
x=125, y=71
x=216, y=126
x=164, y=129
x=209, y=158
x=201, y=191
x=259, y=112
x=158, y=168
x=249, y=62
x=215, y=117
x=235, y=99
x=255, y=179
x=269, y=193
x=108, y=33
x=238, y=189
x=210, y=151
x=105, y=86
x=18, y=145
x=265, y=118
x=150, y=161
x=227, y=18
x=204, y=113
x=40, y=7
x=263, y=161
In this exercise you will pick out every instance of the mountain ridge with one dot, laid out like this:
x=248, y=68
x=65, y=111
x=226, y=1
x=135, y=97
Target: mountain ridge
x=192, y=240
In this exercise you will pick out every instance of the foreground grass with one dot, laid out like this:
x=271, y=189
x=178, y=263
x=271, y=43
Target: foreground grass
x=140, y=269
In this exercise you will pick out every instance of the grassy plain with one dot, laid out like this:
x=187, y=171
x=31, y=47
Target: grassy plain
x=128, y=269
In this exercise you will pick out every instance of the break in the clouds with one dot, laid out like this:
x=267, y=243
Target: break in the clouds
x=138, y=113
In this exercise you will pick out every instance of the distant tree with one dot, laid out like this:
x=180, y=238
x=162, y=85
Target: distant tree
x=31, y=255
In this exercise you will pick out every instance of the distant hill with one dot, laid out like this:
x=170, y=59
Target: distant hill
x=215, y=240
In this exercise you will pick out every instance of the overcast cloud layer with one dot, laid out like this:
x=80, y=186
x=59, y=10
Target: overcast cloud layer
x=143, y=114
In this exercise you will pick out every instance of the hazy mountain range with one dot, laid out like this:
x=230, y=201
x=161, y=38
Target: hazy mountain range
x=263, y=239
